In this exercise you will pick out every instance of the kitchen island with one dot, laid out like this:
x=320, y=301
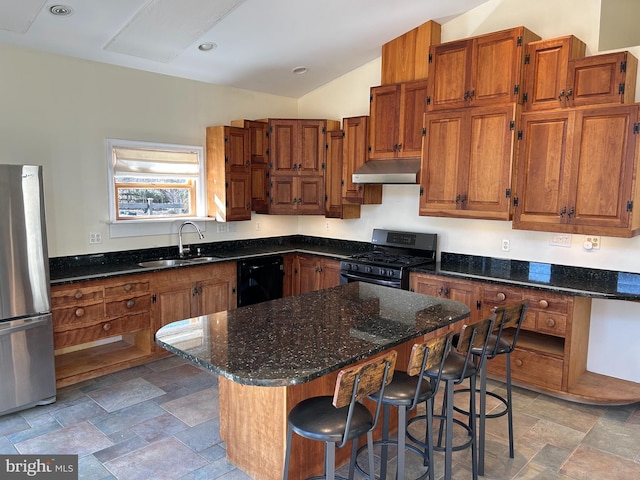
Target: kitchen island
x=272, y=355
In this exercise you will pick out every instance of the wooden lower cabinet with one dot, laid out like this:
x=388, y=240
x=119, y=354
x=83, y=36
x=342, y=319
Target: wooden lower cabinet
x=551, y=351
x=308, y=273
x=184, y=293
x=102, y=326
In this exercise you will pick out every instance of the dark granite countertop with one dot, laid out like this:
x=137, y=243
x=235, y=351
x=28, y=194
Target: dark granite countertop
x=579, y=281
x=297, y=339
x=104, y=265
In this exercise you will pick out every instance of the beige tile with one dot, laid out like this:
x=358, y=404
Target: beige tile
x=79, y=439
x=195, y=408
x=588, y=463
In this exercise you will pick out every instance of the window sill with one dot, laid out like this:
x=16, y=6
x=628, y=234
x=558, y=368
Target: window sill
x=154, y=226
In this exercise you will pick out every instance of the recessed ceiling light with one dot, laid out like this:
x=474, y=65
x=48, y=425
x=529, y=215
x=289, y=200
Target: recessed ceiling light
x=300, y=70
x=205, y=47
x=61, y=10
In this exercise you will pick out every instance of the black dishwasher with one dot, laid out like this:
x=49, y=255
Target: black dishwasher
x=259, y=279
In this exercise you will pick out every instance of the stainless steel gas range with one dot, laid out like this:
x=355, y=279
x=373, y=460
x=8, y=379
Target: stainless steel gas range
x=393, y=254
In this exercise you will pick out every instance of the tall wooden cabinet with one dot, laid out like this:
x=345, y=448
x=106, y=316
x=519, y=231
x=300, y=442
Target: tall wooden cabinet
x=467, y=162
x=334, y=205
x=577, y=170
x=228, y=173
x=259, y=149
x=395, y=123
x=354, y=156
x=477, y=71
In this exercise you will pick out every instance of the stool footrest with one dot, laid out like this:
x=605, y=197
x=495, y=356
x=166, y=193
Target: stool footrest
x=393, y=443
x=500, y=398
x=439, y=448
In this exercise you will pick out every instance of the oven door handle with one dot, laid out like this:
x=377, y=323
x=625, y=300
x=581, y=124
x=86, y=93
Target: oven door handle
x=354, y=277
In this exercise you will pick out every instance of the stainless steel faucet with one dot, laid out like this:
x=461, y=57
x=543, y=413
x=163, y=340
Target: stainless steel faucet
x=182, y=250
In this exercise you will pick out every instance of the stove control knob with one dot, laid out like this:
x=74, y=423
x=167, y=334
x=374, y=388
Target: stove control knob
x=368, y=269
x=354, y=267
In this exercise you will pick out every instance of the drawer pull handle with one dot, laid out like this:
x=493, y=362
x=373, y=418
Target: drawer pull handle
x=551, y=322
x=106, y=327
x=501, y=296
x=127, y=287
x=78, y=295
x=79, y=312
x=131, y=303
x=518, y=362
x=543, y=304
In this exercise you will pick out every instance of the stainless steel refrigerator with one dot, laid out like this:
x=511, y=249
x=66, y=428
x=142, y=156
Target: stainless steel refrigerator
x=27, y=370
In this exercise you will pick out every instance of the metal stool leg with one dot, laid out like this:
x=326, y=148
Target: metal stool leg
x=448, y=453
x=402, y=440
x=372, y=472
x=483, y=417
x=472, y=409
x=330, y=460
x=509, y=405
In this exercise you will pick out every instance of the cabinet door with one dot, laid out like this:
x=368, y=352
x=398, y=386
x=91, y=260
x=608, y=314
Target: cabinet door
x=283, y=145
x=173, y=305
x=282, y=194
x=544, y=169
x=444, y=145
x=449, y=71
x=311, y=147
x=384, y=114
x=604, y=151
x=413, y=105
x=485, y=177
x=237, y=153
x=310, y=198
x=238, y=201
x=333, y=184
x=307, y=274
x=496, y=68
x=260, y=188
x=545, y=73
x=214, y=296
x=354, y=156
x=330, y=273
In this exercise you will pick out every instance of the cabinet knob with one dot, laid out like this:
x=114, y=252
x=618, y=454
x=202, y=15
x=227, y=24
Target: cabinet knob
x=106, y=327
x=517, y=362
x=79, y=312
x=561, y=94
x=543, y=304
x=78, y=295
x=501, y=296
x=131, y=303
x=127, y=287
x=551, y=322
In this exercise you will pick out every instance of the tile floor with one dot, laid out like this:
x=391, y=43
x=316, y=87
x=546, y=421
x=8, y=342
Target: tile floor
x=160, y=421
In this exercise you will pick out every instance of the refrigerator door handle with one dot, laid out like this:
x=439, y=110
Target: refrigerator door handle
x=10, y=327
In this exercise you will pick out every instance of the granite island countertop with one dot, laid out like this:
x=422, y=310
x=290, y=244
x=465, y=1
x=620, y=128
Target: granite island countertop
x=297, y=339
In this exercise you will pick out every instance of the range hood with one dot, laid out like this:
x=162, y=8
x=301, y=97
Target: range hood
x=392, y=170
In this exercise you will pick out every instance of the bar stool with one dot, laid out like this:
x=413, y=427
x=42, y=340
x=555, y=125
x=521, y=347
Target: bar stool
x=501, y=342
x=406, y=391
x=337, y=419
x=458, y=367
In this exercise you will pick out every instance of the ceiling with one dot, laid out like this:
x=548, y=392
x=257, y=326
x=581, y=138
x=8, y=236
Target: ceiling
x=257, y=42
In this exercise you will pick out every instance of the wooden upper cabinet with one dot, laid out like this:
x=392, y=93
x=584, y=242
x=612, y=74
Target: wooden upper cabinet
x=405, y=58
x=354, y=156
x=546, y=70
x=577, y=171
x=478, y=71
x=259, y=148
x=283, y=145
x=334, y=206
x=599, y=79
x=228, y=173
x=395, y=123
x=296, y=195
x=467, y=162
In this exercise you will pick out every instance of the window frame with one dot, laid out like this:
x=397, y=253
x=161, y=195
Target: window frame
x=198, y=200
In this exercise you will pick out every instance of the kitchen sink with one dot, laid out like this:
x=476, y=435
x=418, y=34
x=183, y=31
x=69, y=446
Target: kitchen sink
x=175, y=262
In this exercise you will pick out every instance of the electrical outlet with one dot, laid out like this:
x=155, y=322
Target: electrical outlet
x=326, y=226
x=593, y=242
x=560, y=240
x=258, y=226
x=506, y=245
x=222, y=227
x=95, y=237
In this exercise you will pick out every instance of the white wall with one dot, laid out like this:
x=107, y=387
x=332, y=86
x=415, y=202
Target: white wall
x=57, y=112
x=548, y=18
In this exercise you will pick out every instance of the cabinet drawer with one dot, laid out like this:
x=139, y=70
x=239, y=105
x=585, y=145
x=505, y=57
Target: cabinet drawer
x=110, y=328
x=548, y=302
x=76, y=296
x=551, y=323
x=66, y=318
x=499, y=296
x=126, y=288
x=532, y=368
x=128, y=306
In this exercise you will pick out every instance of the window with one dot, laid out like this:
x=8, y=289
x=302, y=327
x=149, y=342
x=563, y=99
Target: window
x=155, y=181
